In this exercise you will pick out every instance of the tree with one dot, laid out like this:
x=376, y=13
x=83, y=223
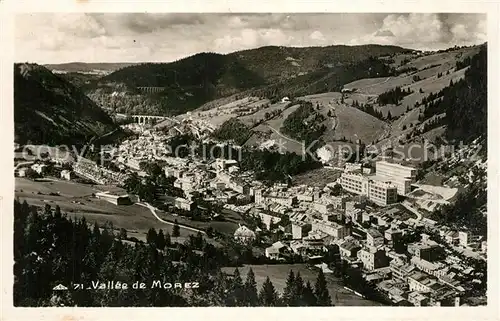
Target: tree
x=250, y=289
x=289, y=293
x=309, y=298
x=176, y=230
x=299, y=290
x=236, y=291
x=151, y=236
x=267, y=295
x=160, y=240
x=31, y=174
x=123, y=234
x=321, y=290
x=168, y=241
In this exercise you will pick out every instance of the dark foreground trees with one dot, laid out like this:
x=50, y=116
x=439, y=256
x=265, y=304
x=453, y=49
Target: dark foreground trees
x=52, y=249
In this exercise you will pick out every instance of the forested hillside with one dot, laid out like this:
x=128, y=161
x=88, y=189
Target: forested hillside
x=464, y=102
x=273, y=71
x=50, y=110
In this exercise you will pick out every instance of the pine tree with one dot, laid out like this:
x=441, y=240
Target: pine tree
x=309, y=298
x=299, y=291
x=168, y=240
x=267, y=295
x=236, y=293
x=151, y=237
x=176, y=230
x=321, y=290
x=250, y=290
x=160, y=240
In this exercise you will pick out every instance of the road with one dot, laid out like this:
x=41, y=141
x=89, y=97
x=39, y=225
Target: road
x=23, y=164
x=153, y=210
x=413, y=210
x=285, y=137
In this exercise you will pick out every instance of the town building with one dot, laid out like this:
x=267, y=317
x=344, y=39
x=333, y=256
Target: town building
x=330, y=228
x=392, y=235
x=41, y=169
x=244, y=235
x=401, y=269
x=374, y=238
x=122, y=199
x=300, y=229
x=429, y=251
x=436, y=269
x=349, y=248
x=184, y=204
x=372, y=258
x=276, y=250
x=268, y=219
x=400, y=176
x=67, y=174
x=376, y=189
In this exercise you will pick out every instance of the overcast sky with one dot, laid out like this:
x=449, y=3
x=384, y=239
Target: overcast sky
x=127, y=37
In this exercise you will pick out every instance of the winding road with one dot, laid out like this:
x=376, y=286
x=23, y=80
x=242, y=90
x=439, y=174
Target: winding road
x=153, y=211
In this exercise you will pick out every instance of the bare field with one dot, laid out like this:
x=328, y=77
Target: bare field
x=354, y=124
x=134, y=218
x=319, y=177
x=322, y=99
x=279, y=273
x=442, y=58
x=432, y=84
x=260, y=115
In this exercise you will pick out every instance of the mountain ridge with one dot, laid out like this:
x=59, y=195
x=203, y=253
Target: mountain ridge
x=50, y=110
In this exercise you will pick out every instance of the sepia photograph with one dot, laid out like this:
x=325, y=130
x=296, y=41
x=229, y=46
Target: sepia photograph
x=250, y=159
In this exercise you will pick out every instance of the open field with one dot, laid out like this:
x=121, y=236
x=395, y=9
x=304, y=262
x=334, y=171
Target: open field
x=251, y=119
x=442, y=58
x=218, y=115
x=319, y=177
x=277, y=122
x=271, y=133
x=38, y=150
x=432, y=84
x=227, y=227
x=279, y=273
x=323, y=98
x=354, y=124
x=136, y=219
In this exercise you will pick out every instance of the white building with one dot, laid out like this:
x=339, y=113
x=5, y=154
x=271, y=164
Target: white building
x=39, y=168
x=269, y=219
x=67, y=174
x=183, y=204
x=244, y=235
x=378, y=190
x=275, y=250
x=399, y=175
x=331, y=228
x=372, y=258
x=300, y=229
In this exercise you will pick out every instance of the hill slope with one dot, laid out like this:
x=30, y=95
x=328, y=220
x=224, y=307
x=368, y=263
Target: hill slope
x=50, y=110
x=173, y=88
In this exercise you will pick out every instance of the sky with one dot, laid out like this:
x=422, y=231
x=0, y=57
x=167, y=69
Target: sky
x=159, y=37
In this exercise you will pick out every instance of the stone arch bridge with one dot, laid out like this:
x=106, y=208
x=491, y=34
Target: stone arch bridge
x=150, y=120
